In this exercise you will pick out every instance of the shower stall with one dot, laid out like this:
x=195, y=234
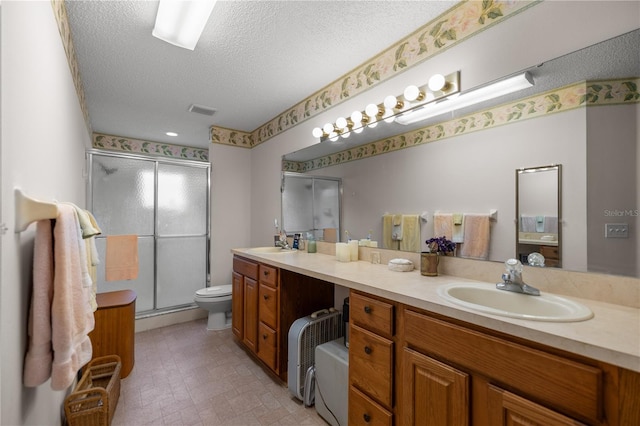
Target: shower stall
x=165, y=203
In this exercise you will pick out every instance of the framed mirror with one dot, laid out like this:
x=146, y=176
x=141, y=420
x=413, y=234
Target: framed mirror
x=312, y=204
x=539, y=215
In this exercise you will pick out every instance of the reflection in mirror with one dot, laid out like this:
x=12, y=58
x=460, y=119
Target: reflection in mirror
x=311, y=205
x=538, y=209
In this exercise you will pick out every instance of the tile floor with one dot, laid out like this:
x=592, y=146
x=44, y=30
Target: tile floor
x=186, y=375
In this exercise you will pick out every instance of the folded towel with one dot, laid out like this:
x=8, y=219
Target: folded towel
x=37, y=363
x=86, y=222
x=539, y=223
x=122, y=258
x=551, y=224
x=476, y=237
x=458, y=228
x=397, y=219
x=410, y=233
x=443, y=225
x=387, y=232
x=528, y=223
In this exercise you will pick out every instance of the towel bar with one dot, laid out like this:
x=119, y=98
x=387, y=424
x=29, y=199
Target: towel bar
x=493, y=214
x=29, y=210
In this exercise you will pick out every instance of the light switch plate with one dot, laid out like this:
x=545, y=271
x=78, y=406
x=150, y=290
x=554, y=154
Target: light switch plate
x=616, y=230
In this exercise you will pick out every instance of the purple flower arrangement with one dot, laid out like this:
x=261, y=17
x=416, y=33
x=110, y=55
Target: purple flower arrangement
x=440, y=245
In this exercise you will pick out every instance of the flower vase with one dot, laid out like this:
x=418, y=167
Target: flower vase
x=429, y=264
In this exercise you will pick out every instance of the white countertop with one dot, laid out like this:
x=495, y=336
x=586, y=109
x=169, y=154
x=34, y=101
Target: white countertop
x=612, y=335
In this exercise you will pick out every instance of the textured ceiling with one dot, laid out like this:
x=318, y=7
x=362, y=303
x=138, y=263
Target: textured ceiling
x=254, y=60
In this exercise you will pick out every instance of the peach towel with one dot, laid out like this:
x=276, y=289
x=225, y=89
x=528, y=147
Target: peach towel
x=443, y=225
x=477, y=232
x=122, y=258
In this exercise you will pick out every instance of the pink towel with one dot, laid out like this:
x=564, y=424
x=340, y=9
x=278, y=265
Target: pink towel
x=61, y=312
x=37, y=363
x=476, y=237
x=443, y=225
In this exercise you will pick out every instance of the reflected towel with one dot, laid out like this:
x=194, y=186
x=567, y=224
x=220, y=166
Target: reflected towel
x=458, y=228
x=476, y=237
x=539, y=223
x=387, y=232
x=410, y=233
x=122, y=258
x=550, y=224
x=443, y=225
x=528, y=223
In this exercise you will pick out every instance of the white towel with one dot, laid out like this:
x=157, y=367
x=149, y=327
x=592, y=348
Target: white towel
x=551, y=224
x=528, y=223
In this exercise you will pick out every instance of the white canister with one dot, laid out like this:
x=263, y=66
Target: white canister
x=342, y=252
x=353, y=250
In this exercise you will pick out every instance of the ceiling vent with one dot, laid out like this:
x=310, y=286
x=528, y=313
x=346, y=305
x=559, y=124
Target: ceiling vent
x=202, y=110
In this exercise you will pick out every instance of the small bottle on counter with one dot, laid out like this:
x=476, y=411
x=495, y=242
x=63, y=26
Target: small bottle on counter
x=311, y=243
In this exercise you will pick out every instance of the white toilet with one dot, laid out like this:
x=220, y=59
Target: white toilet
x=216, y=300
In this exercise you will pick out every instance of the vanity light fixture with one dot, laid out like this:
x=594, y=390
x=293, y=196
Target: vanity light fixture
x=181, y=22
x=439, y=86
x=474, y=96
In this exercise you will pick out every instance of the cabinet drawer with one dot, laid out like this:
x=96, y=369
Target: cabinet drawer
x=372, y=314
x=364, y=411
x=268, y=275
x=556, y=382
x=245, y=267
x=267, y=342
x=268, y=305
x=549, y=251
x=371, y=364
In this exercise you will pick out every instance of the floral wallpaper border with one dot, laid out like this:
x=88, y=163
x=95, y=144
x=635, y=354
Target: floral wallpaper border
x=457, y=24
x=594, y=93
x=62, y=19
x=136, y=146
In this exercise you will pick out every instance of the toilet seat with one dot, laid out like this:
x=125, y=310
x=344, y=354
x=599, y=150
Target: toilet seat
x=214, y=291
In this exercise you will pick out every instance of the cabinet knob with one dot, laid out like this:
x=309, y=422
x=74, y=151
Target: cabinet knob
x=367, y=309
x=265, y=297
x=366, y=417
x=367, y=350
x=265, y=273
x=264, y=337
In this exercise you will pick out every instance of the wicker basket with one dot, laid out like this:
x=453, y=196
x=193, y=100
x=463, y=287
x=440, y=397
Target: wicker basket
x=94, y=400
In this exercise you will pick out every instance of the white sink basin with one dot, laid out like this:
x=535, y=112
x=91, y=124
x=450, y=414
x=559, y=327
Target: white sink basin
x=487, y=298
x=268, y=250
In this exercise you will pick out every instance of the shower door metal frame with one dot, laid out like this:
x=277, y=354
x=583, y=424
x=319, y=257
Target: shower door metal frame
x=157, y=161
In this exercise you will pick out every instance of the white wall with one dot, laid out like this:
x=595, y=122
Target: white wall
x=43, y=144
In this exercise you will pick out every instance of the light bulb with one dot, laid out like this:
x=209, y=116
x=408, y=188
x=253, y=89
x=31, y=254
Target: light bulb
x=345, y=134
x=328, y=128
x=437, y=82
x=412, y=93
x=373, y=122
x=391, y=102
x=341, y=122
x=356, y=117
x=333, y=136
x=372, y=110
x=388, y=116
x=317, y=132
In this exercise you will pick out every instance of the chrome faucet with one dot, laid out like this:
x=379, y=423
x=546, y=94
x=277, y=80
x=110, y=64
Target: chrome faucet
x=512, y=279
x=282, y=242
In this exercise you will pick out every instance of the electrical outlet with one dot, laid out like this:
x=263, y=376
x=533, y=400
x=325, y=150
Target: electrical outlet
x=616, y=230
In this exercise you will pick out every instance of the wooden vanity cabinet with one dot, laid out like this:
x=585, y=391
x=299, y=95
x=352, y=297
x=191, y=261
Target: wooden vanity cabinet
x=371, y=360
x=458, y=374
x=265, y=302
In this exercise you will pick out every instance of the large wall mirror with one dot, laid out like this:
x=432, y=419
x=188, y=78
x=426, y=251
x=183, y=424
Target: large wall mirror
x=539, y=213
x=311, y=205
x=474, y=172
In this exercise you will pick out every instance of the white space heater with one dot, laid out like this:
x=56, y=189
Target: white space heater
x=304, y=335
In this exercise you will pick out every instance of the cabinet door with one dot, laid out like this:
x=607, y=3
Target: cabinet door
x=509, y=409
x=363, y=411
x=250, y=313
x=237, y=309
x=435, y=394
x=268, y=305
